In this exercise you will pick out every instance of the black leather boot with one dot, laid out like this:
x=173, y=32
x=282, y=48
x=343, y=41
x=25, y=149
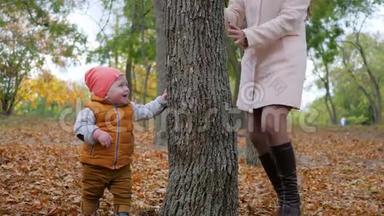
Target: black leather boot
x=272, y=172
x=286, y=164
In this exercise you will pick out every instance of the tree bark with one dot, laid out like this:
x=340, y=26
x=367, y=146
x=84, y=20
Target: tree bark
x=202, y=155
x=329, y=104
x=128, y=74
x=9, y=87
x=374, y=83
x=235, y=65
x=148, y=69
x=161, y=133
x=373, y=96
x=328, y=97
x=251, y=154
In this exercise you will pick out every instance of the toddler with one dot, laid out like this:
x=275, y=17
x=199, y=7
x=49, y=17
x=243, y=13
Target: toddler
x=106, y=127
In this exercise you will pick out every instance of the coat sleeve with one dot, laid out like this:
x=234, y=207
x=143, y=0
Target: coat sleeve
x=289, y=20
x=235, y=13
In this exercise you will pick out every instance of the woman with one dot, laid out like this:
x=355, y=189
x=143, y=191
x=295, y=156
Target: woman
x=272, y=32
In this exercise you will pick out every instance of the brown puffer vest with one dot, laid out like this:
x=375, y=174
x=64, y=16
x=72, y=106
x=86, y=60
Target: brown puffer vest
x=118, y=122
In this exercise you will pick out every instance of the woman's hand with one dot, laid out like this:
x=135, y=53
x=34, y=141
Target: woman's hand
x=238, y=36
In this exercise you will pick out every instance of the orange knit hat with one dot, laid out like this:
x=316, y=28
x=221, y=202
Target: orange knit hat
x=100, y=79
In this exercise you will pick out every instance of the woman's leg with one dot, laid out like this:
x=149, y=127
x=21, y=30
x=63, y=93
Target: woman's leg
x=261, y=142
x=275, y=124
x=258, y=138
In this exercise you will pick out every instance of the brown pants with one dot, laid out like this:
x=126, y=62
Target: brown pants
x=95, y=179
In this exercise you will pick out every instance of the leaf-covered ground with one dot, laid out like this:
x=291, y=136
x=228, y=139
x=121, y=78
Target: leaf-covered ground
x=341, y=172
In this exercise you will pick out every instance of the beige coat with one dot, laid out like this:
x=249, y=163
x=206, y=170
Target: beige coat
x=273, y=66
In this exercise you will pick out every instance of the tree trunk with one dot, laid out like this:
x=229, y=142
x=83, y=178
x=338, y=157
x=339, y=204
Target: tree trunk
x=128, y=74
x=161, y=133
x=134, y=85
x=202, y=154
x=9, y=90
x=330, y=107
x=235, y=65
x=145, y=84
x=145, y=88
x=374, y=99
x=328, y=97
x=374, y=84
x=251, y=154
x=5, y=108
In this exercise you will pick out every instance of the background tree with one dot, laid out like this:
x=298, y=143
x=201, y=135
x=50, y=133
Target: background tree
x=127, y=41
x=358, y=78
x=359, y=57
x=202, y=154
x=233, y=64
x=31, y=33
x=161, y=134
x=329, y=23
x=46, y=95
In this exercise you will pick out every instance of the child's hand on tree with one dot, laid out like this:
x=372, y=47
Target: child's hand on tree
x=103, y=137
x=164, y=96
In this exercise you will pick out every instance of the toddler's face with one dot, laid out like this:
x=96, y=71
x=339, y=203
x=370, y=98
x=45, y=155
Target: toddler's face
x=119, y=91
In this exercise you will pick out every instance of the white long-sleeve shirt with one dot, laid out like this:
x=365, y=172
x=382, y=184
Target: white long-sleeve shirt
x=85, y=123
